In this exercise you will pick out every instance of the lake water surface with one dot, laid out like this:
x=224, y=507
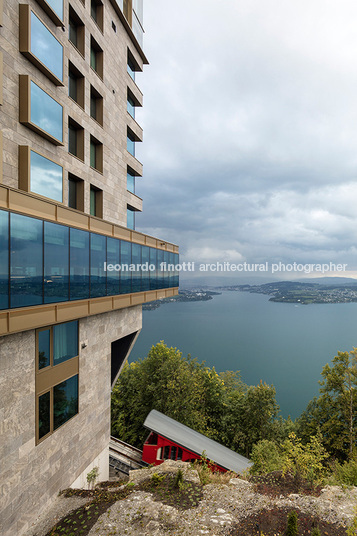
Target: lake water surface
x=282, y=344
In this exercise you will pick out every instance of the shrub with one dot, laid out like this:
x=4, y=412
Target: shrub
x=292, y=528
x=266, y=457
x=316, y=532
x=156, y=478
x=92, y=476
x=304, y=460
x=345, y=473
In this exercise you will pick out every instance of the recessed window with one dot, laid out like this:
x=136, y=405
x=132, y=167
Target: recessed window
x=54, y=9
x=75, y=192
x=130, y=105
x=40, y=112
x=75, y=139
x=40, y=46
x=96, y=154
x=76, y=30
x=96, y=11
x=130, y=180
x=40, y=175
x=75, y=85
x=127, y=10
x=96, y=202
x=96, y=105
x=130, y=141
x=56, y=388
x=96, y=57
x=130, y=217
x=132, y=65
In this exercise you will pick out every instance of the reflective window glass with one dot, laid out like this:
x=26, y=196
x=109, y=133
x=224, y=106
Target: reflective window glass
x=139, y=9
x=176, y=279
x=46, y=113
x=153, y=273
x=57, y=6
x=145, y=261
x=72, y=86
x=79, y=264
x=130, y=106
x=44, y=348
x=130, y=182
x=46, y=177
x=160, y=273
x=98, y=255
x=130, y=218
x=56, y=262
x=45, y=47
x=4, y=259
x=130, y=145
x=113, y=257
x=26, y=271
x=65, y=401
x=65, y=341
x=137, y=30
x=44, y=414
x=125, y=262
x=165, y=272
x=136, y=273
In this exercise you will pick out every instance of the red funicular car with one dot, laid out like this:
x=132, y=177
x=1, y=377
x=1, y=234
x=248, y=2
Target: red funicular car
x=171, y=440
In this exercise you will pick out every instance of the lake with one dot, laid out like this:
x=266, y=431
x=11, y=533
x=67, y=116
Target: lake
x=282, y=344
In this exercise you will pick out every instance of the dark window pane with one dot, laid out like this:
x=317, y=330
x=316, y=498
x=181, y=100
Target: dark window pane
x=72, y=86
x=145, y=261
x=45, y=47
x=165, y=272
x=93, y=156
x=93, y=107
x=73, y=36
x=179, y=454
x=44, y=348
x=176, y=278
x=72, y=140
x=56, y=263
x=4, y=260
x=65, y=341
x=98, y=251
x=44, y=419
x=166, y=452
x=46, y=113
x=160, y=273
x=93, y=58
x=46, y=177
x=113, y=257
x=93, y=10
x=125, y=262
x=153, y=273
x=136, y=274
x=173, y=453
x=79, y=264
x=72, y=193
x=26, y=261
x=65, y=401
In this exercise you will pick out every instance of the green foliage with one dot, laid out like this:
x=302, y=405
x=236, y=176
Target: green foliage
x=352, y=529
x=92, y=476
x=306, y=460
x=334, y=412
x=345, y=473
x=179, y=479
x=219, y=406
x=292, y=527
x=266, y=456
x=315, y=532
x=156, y=478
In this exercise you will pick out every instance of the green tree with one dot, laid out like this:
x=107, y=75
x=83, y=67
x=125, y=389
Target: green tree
x=334, y=412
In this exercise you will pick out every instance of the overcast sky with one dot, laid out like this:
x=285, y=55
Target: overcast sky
x=250, y=129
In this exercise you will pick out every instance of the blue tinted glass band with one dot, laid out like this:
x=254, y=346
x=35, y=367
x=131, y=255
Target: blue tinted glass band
x=43, y=262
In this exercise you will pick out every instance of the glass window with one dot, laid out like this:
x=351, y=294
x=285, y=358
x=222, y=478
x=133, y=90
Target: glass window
x=73, y=35
x=65, y=342
x=153, y=274
x=93, y=155
x=96, y=57
x=145, y=261
x=130, y=218
x=57, y=6
x=44, y=414
x=113, y=257
x=65, y=401
x=46, y=177
x=166, y=452
x=98, y=256
x=45, y=47
x=130, y=181
x=72, y=140
x=46, y=113
x=44, y=348
x=139, y=10
x=173, y=453
x=72, y=193
x=160, y=273
x=125, y=274
x=79, y=264
x=179, y=454
x=56, y=262
x=4, y=259
x=130, y=144
x=176, y=281
x=166, y=273
x=26, y=271
x=130, y=106
x=136, y=274
x=72, y=86
x=137, y=30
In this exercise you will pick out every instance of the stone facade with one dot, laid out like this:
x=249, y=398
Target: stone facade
x=31, y=475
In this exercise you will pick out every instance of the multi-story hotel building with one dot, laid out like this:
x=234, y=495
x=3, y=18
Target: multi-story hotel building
x=67, y=206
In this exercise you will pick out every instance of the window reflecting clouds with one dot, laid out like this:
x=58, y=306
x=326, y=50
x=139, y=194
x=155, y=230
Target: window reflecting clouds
x=46, y=113
x=46, y=177
x=45, y=47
